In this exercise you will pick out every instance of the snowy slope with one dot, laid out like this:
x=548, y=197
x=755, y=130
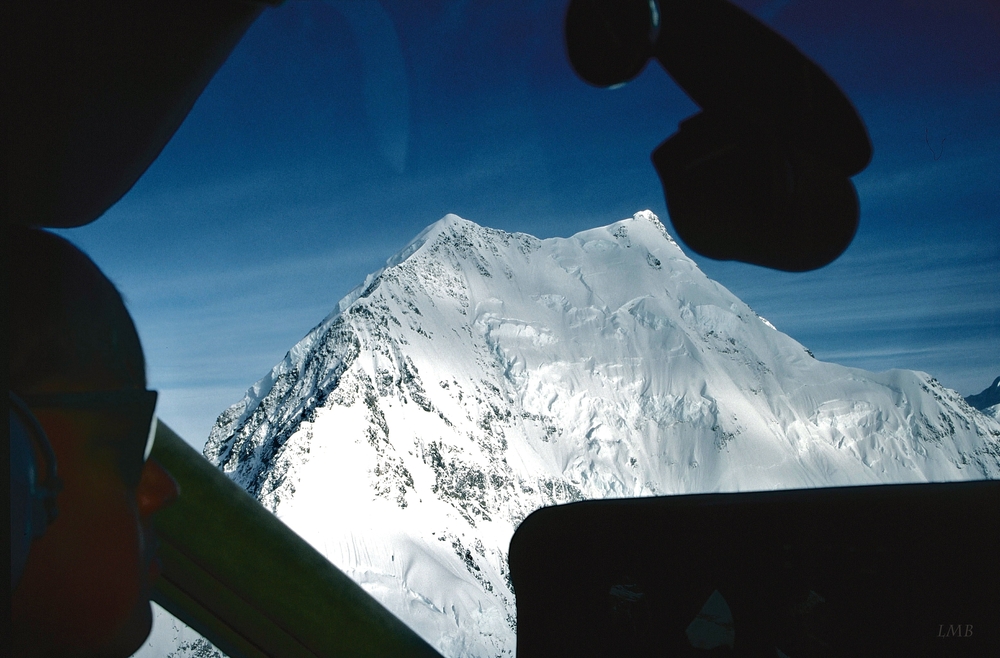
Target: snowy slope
x=483, y=374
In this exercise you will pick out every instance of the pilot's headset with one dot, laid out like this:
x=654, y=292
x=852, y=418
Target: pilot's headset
x=32, y=494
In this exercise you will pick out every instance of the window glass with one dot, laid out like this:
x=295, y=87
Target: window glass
x=337, y=131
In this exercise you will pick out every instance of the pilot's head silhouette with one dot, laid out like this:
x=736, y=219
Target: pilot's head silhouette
x=77, y=384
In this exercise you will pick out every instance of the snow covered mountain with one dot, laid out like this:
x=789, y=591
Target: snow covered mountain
x=988, y=401
x=482, y=374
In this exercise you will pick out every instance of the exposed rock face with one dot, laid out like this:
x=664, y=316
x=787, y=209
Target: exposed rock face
x=482, y=374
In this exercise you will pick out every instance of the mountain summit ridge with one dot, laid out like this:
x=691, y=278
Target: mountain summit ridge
x=482, y=374
x=988, y=399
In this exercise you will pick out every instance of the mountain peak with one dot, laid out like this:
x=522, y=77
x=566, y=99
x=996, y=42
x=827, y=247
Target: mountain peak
x=450, y=223
x=483, y=374
x=988, y=398
x=445, y=225
x=650, y=216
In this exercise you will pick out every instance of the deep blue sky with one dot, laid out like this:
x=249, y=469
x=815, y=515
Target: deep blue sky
x=338, y=130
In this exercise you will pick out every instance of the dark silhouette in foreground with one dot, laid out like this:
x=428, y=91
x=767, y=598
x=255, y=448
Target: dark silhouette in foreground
x=77, y=379
x=897, y=570
x=762, y=173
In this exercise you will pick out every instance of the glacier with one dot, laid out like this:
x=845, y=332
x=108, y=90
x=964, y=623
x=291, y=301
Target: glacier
x=483, y=374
